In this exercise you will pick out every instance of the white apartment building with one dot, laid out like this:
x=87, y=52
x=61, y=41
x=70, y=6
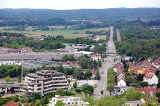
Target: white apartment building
x=45, y=81
x=10, y=63
x=68, y=101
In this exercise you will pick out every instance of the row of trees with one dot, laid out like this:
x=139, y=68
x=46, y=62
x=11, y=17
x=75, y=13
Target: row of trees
x=11, y=34
x=36, y=45
x=9, y=70
x=111, y=79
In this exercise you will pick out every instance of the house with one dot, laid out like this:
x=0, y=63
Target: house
x=82, y=53
x=156, y=63
x=121, y=80
x=119, y=69
x=70, y=64
x=151, y=78
x=133, y=103
x=148, y=91
x=121, y=83
x=142, y=67
x=68, y=101
x=10, y=62
x=12, y=103
x=80, y=46
x=96, y=57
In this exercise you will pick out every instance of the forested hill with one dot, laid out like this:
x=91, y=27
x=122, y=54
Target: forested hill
x=114, y=14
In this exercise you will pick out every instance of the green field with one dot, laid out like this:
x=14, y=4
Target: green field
x=59, y=31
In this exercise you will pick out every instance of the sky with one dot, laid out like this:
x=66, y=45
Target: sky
x=77, y=4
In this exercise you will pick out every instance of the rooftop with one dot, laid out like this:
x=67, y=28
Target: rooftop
x=12, y=103
x=147, y=90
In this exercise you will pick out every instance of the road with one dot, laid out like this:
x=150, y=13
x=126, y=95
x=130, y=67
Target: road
x=109, y=61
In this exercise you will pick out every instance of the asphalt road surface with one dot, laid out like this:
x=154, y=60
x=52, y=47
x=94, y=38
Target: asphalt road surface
x=109, y=61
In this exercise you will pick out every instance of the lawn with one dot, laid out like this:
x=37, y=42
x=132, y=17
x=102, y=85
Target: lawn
x=66, y=33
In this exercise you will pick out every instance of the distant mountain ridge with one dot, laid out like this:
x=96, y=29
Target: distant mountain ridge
x=111, y=14
x=80, y=13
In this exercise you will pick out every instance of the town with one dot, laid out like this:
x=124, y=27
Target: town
x=81, y=62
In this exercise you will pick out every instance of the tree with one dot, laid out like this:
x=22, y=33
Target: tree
x=88, y=74
x=60, y=92
x=158, y=95
x=75, y=84
x=59, y=103
x=7, y=79
x=131, y=94
x=69, y=93
x=68, y=58
x=98, y=75
x=83, y=61
x=111, y=80
x=37, y=95
x=45, y=100
x=140, y=77
x=88, y=89
x=144, y=84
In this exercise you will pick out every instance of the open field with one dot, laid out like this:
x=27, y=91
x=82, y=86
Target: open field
x=66, y=33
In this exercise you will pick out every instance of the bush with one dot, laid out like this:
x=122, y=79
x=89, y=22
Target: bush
x=88, y=89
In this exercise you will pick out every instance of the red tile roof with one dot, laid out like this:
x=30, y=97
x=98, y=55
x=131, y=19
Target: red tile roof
x=145, y=66
x=149, y=75
x=12, y=103
x=97, y=54
x=147, y=91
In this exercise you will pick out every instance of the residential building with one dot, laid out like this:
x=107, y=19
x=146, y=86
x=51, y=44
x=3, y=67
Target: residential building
x=68, y=101
x=45, y=81
x=119, y=69
x=134, y=103
x=148, y=91
x=12, y=103
x=80, y=46
x=121, y=83
x=82, y=53
x=142, y=67
x=96, y=57
x=156, y=63
x=151, y=78
x=10, y=62
x=70, y=64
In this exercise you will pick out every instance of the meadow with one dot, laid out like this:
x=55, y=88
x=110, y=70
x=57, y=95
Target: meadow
x=58, y=30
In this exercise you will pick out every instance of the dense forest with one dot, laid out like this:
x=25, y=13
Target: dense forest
x=139, y=42
x=71, y=17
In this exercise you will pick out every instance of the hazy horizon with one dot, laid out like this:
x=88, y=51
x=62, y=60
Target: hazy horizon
x=77, y=4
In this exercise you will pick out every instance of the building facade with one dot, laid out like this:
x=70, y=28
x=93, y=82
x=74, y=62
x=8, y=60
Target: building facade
x=45, y=82
x=68, y=101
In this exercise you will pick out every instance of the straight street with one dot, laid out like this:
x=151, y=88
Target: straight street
x=109, y=61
